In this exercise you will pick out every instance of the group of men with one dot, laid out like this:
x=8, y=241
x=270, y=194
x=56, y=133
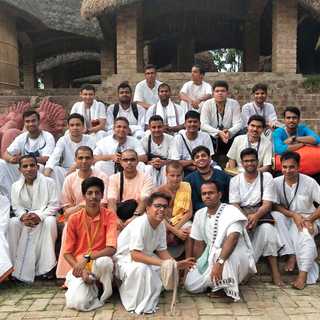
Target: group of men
x=139, y=189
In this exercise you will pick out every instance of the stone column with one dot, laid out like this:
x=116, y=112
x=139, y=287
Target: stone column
x=107, y=61
x=130, y=39
x=9, y=55
x=29, y=76
x=284, y=36
x=185, y=53
x=251, y=48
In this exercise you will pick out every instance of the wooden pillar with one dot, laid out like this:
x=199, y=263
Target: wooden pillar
x=185, y=53
x=284, y=36
x=9, y=55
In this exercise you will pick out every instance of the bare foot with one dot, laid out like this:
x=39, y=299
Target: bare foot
x=276, y=279
x=291, y=264
x=300, y=282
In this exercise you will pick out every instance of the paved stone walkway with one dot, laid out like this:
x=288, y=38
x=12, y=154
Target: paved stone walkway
x=260, y=300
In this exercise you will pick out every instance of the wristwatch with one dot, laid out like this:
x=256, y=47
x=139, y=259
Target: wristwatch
x=87, y=257
x=220, y=261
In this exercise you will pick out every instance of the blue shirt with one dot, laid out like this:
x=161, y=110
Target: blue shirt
x=195, y=179
x=280, y=135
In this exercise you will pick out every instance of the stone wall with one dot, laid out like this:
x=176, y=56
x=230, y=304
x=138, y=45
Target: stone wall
x=284, y=90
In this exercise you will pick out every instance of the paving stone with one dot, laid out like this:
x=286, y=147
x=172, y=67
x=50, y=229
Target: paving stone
x=103, y=315
x=39, y=304
x=3, y=315
x=214, y=311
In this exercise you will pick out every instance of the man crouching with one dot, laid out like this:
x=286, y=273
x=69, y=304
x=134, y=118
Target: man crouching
x=221, y=244
x=90, y=243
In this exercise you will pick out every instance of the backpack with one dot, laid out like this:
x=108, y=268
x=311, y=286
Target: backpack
x=134, y=110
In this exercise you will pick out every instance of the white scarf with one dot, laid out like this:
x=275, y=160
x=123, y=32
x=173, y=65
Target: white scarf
x=167, y=113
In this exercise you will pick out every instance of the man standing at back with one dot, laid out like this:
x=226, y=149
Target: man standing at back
x=195, y=92
x=146, y=92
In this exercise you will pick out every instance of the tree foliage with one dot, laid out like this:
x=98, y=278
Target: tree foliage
x=227, y=60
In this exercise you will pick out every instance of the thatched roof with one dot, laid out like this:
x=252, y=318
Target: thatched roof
x=61, y=59
x=95, y=8
x=61, y=15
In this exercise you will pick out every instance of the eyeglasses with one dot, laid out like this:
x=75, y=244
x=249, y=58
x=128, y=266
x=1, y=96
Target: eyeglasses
x=129, y=159
x=160, y=206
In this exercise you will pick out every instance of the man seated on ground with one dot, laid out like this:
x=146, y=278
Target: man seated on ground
x=146, y=91
x=72, y=199
x=134, y=113
x=171, y=113
x=93, y=111
x=221, y=117
x=34, y=141
x=253, y=139
x=195, y=92
x=91, y=241
x=187, y=140
x=108, y=151
x=6, y=267
x=142, y=252
x=221, y=245
x=33, y=230
x=205, y=172
x=297, y=219
x=157, y=145
x=295, y=135
x=179, y=213
x=259, y=106
x=253, y=192
x=128, y=189
x=65, y=148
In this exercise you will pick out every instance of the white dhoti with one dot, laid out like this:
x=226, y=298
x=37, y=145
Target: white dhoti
x=58, y=175
x=141, y=286
x=84, y=297
x=299, y=243
x=9, y=173
x=98, y=135
x=235, y=269
x=32, y=250
x=265, y=241
x=158, y=176
x=5, y=261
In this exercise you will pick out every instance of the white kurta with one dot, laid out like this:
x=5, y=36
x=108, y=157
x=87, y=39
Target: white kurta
x=240, y=143
x=22, y=145
x=300, y=243
x=96, y=111
x=172, y=114
x=268, y=112
x=141, y=283
x=179, y=151
x=195, y=92
x=32, y=250
x=136, y=125
x=5, y=261
x=109, y=145
x=158, y=176
x=65, y=151
x=211, y=119
x=143, y=93
x=265, y=238
x=213, y=231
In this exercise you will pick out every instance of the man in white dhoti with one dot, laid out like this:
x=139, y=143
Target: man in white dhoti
x=260, y=107
x=221, y=245
x=146, y=91
x=221, y=117
x=253, y=139
x=108, y=150
x=33, y=232
x=6, y=267
x=134, y=113
x=33, y=141
x=91, y=241
x=157, y=145
x=62, y=162
x=253, y=192
x=93, y=111
x=194, y=93
x=171, y=113
x=142, y=249
x=297, y=219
